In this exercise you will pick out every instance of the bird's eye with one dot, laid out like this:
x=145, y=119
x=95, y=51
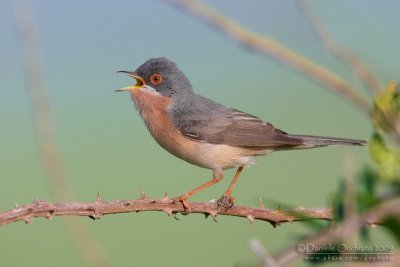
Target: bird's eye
x=155, y=78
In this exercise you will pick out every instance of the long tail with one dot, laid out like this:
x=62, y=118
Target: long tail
x=311, y=141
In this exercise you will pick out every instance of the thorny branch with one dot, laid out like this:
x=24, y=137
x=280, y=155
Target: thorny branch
x=99, y=208
x=42, y=112
x=349, y=226
x=273, y=49
x=263, y=45
x=337, y=232
x=360, y=69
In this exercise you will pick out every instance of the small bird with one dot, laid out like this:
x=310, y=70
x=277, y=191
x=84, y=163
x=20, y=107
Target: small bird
x=203, y=132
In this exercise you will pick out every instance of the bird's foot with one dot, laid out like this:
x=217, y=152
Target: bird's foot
x=225, y=202
x=184, y=200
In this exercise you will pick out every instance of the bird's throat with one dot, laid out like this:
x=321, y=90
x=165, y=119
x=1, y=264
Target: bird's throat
x=152, y=108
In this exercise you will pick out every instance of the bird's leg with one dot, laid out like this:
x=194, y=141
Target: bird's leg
x=227, y=201
x=228, y=192
x=217, y=176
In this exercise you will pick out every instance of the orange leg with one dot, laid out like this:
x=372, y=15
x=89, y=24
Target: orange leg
x=217, y=176
x=228, y=192
x=226, y=201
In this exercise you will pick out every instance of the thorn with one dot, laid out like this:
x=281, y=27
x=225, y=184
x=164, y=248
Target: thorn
x=142, y=194
x=15, y=205
x=261, y=203
x=49, y=216
x=97, y=216
x=165, y=198
x=279, y=207
x=175, y=217
x=98, y=198
x=250, y=218
x=274, y=224
x=28, y=220
x=213, y=214
x=206, y=215
x=373, y=225
x=168, y=211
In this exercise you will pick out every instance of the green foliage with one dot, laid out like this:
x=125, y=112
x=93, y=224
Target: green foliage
x=386, y=121
x=380, y=180
x=386, y=158
x=386, y=108
x=393, y=225
x=365, y=193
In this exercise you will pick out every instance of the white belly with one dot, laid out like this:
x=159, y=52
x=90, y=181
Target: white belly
x=212, y=156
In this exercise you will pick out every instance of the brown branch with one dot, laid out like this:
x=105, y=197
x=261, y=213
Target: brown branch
x=273, y=49
x=42, y=112
x=351, y=225
x=266, y=259
x=99, y=208
x=360, y=69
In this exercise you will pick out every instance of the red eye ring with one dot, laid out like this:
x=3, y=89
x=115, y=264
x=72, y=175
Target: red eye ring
x=156, y=78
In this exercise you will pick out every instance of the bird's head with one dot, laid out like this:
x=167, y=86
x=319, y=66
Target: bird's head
x=159, y=75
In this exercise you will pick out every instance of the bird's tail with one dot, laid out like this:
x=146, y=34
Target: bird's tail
x=310, y=141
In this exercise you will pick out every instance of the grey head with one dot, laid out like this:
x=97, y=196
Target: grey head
x=163, y=76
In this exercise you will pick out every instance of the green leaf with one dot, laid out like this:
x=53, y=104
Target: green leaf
x=393, y=226
x=387, y=159
x=386, y=108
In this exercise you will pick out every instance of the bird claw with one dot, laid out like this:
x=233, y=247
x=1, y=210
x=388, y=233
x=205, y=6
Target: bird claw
x=184, y=200
x=225, y=202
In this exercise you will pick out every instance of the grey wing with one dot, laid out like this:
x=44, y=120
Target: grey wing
x=213, y=123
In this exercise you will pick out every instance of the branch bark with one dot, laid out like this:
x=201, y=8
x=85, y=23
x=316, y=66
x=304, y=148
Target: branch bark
x=273, y=49
x=363, y=72
x=349, y=226
x=99, y=208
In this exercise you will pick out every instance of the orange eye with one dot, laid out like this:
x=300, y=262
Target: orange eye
x=155, y=78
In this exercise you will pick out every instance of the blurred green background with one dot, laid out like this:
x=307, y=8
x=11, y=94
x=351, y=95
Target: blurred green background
x=106, y=147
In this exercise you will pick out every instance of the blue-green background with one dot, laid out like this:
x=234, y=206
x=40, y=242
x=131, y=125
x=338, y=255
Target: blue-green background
x=106, y=147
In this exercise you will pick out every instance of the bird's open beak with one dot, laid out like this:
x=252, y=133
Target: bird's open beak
x=139, y=82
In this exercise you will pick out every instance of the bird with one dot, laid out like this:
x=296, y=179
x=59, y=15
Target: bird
x=205, y=133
